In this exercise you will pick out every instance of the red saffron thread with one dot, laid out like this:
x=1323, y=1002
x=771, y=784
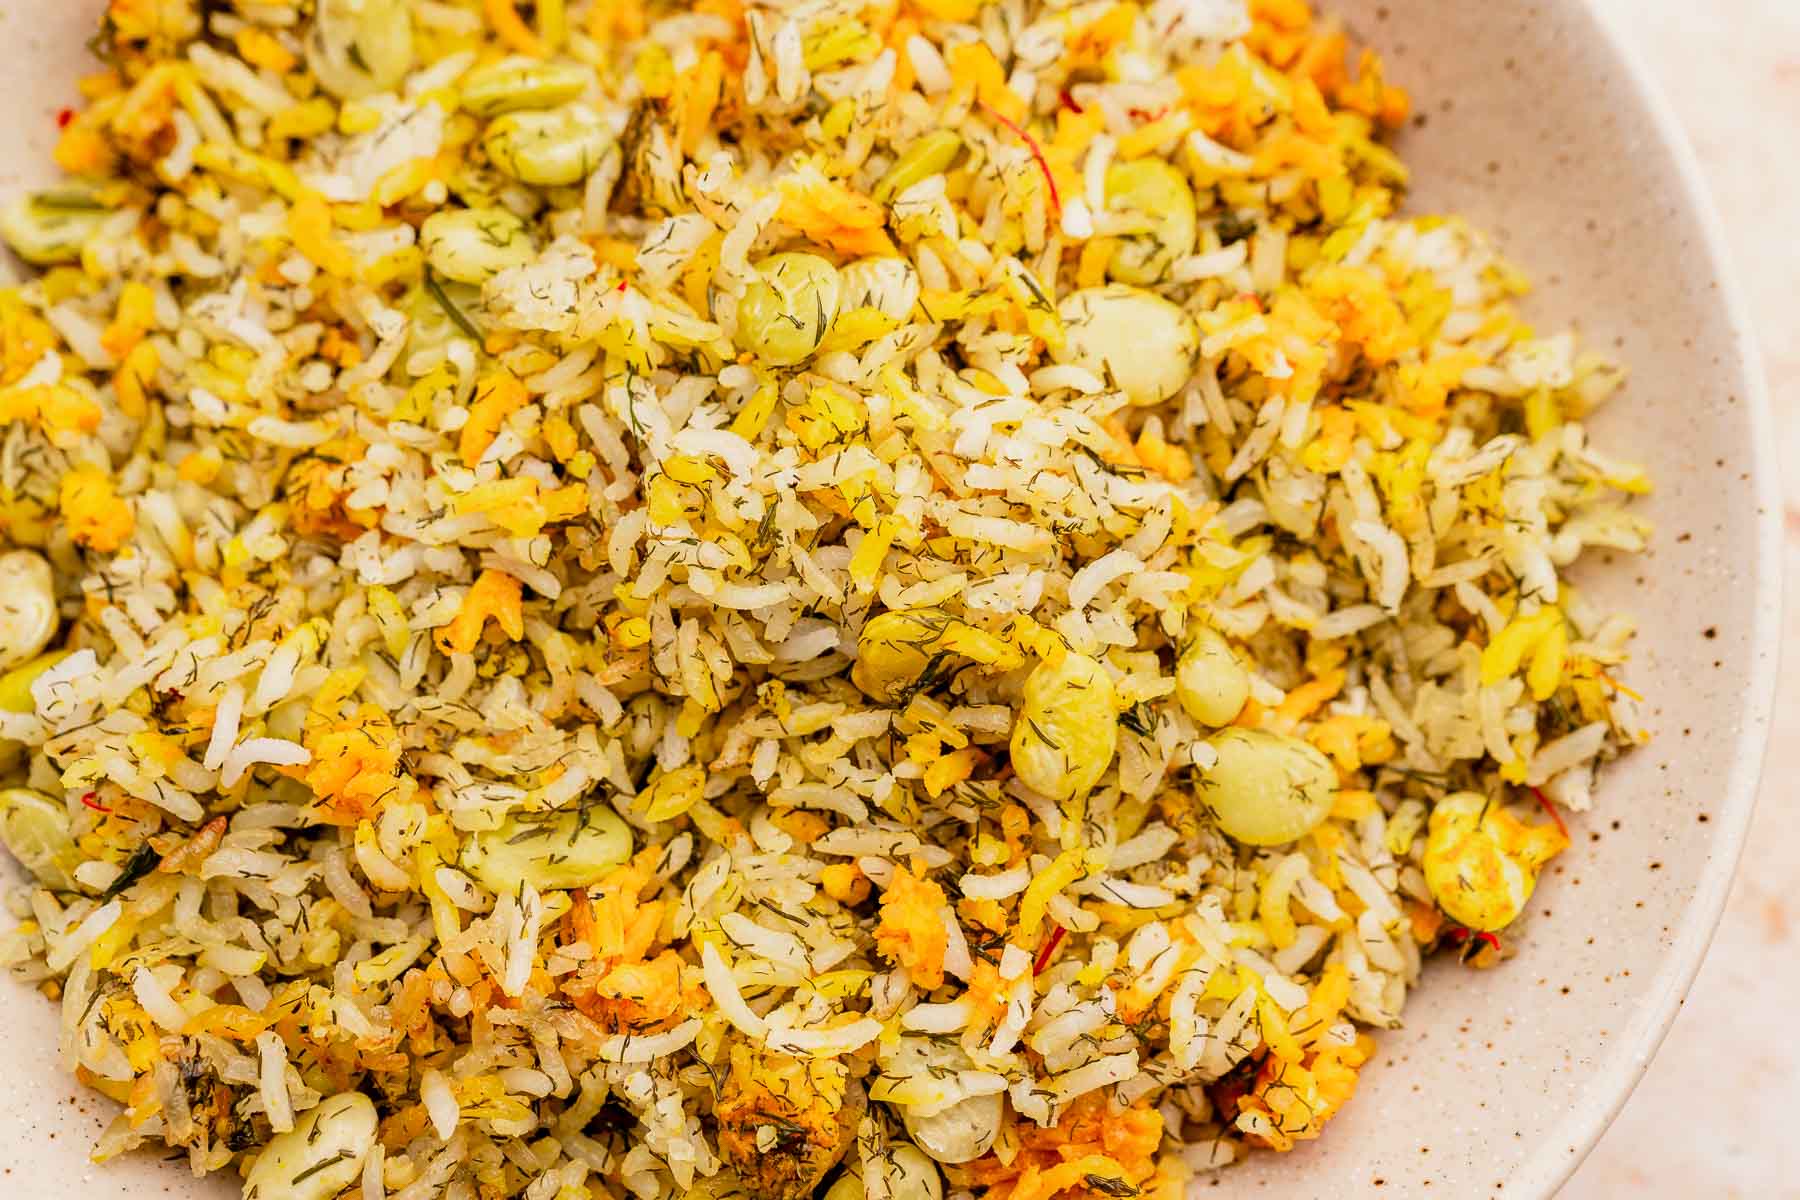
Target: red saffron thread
x=1550, y=808
x=1456, y=935
x=1037, y=152
x=1050, y=944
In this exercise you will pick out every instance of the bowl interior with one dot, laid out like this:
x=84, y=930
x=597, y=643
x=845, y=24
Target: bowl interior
x=1532, y=124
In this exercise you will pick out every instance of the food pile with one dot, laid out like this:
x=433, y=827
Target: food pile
x=769, y=598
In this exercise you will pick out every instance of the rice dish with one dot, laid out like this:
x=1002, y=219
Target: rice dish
x=770, y=598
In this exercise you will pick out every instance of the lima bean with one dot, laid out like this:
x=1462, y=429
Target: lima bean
x=357, y=48
x=1267, y=789
x=554, y=851
x=1068, y=727
x=28, y=613
x=554, y=148
x=1143, y=343
x=1210, y=682
x=320, y=1156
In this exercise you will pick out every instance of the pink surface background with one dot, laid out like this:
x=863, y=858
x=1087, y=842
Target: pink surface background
x=1714, y=1116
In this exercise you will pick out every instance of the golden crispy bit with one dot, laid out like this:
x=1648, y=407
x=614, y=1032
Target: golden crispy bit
x=785, y=1122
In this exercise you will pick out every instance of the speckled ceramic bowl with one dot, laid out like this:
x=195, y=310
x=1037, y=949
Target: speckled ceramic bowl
x=1533, y=122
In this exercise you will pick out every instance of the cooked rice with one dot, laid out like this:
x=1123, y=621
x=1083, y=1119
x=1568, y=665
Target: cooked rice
x=530, y=694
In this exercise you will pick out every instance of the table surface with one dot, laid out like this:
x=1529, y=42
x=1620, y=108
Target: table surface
x=1713, y=1117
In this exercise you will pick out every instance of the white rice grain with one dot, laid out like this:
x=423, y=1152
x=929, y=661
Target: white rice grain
x=277, y=752
x=157, y=1001
x=725, y=994
x=440, y=1102
x=928, y=65
x=1566, y=752
x=272, y=1080
x=225, y=727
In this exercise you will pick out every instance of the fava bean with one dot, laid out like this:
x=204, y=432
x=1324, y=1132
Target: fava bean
x=554, y=148
x=930, y=155
x=50, y=227
x=959, y=1134
x=35, y=828
x=911, y=648
x=320, y=1156
x=1161, y=196
x=15, y=685
x=520, y=83
x=28, y=614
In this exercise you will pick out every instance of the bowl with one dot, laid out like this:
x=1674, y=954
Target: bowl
x=1533, y=121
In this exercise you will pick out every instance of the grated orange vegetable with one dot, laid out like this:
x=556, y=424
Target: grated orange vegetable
x=911, y=932
x=978, y=74
x=496, y=596
x=497, y=397
x=95, y=515
x=833, y=215
x=354, y=764
x=1092, y=1139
